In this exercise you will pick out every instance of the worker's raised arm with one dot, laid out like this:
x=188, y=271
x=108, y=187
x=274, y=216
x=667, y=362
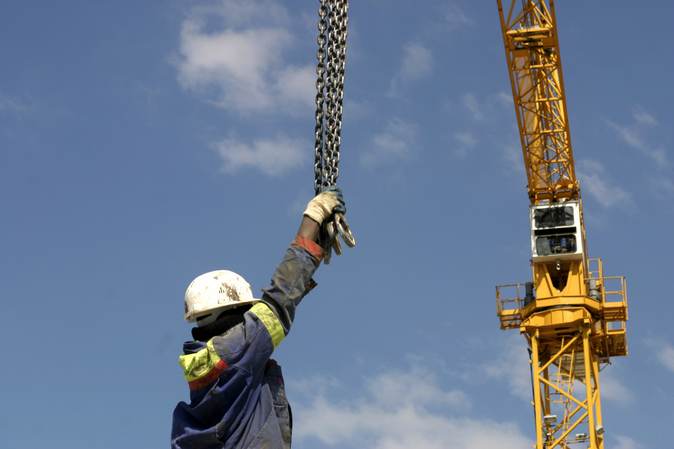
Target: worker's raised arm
x=292, y=279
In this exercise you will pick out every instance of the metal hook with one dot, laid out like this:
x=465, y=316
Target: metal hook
x=344, y=230
x=334, y=229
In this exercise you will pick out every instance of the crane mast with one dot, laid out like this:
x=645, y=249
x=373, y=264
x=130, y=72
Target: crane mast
x=571, y=315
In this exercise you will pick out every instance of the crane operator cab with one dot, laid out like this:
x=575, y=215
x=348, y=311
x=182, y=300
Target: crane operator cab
x=556, y=232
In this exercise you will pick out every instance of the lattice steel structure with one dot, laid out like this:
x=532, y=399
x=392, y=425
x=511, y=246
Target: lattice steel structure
x=572, y=316
x=535, y=67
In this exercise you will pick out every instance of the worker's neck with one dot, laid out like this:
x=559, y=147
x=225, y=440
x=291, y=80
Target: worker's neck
x=225, y=321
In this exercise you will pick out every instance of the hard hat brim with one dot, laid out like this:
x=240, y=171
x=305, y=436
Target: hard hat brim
x=192, y=317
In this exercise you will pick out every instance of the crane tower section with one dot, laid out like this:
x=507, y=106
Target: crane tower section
x=572, y=316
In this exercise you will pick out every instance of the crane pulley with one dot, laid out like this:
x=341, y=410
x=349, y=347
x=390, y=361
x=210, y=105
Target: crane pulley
x=330, y=69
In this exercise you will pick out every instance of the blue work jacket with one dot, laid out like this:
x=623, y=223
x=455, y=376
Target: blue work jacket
x=237, y=397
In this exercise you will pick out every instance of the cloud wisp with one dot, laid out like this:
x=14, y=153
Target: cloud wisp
x=395, y=142
x=512, y=367
x=512, y=155
x=465, y=142
x=273, y=157
x=13, y=105
x=624, y=442
x=633, y=135
x=472, y=105
x=240, y=63
x=402, y=409
x=663, y=186
x=416, y=64
x=456, y=17
x=665, y=355
x=597, y=183
x=612, y=389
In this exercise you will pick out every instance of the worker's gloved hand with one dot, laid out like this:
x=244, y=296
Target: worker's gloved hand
x=325, y=204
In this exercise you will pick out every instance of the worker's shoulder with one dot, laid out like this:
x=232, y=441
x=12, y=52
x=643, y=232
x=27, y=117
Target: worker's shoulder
x=243, y=335
x=235, y=340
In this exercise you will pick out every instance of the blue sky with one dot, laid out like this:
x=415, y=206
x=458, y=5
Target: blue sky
x=143, y=143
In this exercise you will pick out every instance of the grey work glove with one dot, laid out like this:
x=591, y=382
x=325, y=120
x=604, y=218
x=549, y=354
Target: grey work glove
x=330, y=201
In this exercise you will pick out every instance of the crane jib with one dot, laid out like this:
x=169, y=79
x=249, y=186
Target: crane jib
x=537, y=82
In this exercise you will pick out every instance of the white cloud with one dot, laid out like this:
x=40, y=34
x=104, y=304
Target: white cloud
x=314, y=385
x=512, y=153
x=614, y=390
x=272, y=157
x=236, y=54
x=504, y=99
x=456, y=17
x=466, y=138
x=490, y=107
x=644, y=117
x=512, y=367
x=417, y=63
x=396, y=141
x=13, y=105
x=241, y=64
x=596, y=182
x=623, y=442
x=471, y=103
x=663, y=351
x=240, y=13
x=466, y=141
x=417, y=386
x=663, y=186
x=297, y=85
x=665, y=354
x=633, y=136
x=402, y=409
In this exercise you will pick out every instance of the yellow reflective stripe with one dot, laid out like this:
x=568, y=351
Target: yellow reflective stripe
x=200, y=363
x=270, y=321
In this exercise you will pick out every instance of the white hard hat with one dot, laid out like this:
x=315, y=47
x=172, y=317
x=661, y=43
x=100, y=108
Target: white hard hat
x=214, y=292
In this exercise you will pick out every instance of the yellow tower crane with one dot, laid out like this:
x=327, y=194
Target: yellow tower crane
x=572, y=316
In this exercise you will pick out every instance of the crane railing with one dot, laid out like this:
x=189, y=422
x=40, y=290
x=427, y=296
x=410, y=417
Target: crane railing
x=510, y=300
x=612, y=292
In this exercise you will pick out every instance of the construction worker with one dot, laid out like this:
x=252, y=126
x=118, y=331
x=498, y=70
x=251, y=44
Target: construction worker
x=237, y=396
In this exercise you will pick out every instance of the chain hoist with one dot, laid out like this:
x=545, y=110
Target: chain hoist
x=331, y=57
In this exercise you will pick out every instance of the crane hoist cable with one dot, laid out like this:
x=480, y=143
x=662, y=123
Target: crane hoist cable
x=330, y=68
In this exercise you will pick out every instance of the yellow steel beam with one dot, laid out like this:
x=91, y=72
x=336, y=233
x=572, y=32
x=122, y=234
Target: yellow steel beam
x=560, y=352
x=537, y=389
x=537, y=83
x=566, y=433
x=562, y=392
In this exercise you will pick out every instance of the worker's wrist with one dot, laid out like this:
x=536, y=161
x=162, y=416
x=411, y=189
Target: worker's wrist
x=309, y=229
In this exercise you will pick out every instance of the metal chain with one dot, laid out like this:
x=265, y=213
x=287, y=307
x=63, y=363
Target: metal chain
x=331, y=149
x=319, y=132
x=341, y=22
x=330, y=70
x=330, y=74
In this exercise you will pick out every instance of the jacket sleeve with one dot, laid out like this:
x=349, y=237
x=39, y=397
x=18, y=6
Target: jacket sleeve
x=292, y=280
